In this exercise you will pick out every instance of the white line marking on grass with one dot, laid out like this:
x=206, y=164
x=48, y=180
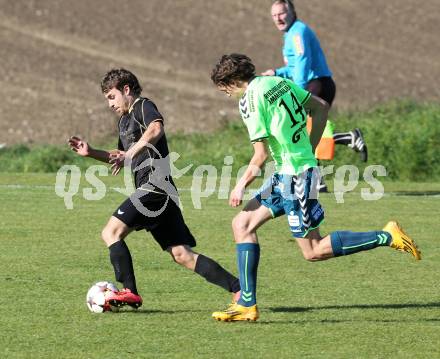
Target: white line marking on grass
x=431, y=194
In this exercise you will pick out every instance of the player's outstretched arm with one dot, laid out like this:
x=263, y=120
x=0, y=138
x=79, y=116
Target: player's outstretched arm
x=318, y=111
x=84, y=149
x=252, y=171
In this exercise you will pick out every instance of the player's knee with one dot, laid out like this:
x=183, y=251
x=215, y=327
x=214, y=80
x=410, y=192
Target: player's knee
x=106, y=234
x=240, y=226
x=110, y=235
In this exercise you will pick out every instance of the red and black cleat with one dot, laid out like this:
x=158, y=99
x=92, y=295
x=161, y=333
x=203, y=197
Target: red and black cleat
x=124, y=297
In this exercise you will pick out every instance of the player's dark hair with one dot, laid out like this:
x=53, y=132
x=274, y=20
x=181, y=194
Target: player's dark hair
x=232, y=68
x=118, y=78
x=289, y=4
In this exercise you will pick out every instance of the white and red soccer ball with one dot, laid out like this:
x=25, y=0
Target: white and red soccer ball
x=96, y=298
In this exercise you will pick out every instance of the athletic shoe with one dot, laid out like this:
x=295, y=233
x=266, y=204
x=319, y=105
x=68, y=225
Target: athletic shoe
x=123, y=297
x=236, y=312
x=401, y=241
x=358, y=144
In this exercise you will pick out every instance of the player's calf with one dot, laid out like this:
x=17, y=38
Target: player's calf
x=314, y=248
x=313, y=256
x=122, y=262
x=214, y=273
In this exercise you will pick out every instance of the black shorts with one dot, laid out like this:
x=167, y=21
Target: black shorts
x=167, y=227
x=323, y=87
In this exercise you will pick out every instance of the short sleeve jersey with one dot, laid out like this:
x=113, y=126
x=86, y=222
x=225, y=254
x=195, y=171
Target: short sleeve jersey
x=272, y=109
x=303, y=56
x=131, y=128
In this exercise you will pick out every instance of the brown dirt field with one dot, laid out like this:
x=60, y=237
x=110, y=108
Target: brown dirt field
x=54, y=53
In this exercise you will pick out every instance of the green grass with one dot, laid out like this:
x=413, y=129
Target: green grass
x=377, y=304
x=403, y=136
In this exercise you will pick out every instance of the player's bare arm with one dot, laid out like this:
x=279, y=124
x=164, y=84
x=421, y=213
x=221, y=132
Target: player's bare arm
x=255, y=165
x=151, y=136
x=318, y=110
x=82, y=148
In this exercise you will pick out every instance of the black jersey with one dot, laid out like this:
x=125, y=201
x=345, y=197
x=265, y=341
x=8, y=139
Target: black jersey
x=131, y=128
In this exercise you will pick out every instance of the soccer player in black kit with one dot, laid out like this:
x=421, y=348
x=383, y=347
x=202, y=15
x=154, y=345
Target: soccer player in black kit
x=153, y=206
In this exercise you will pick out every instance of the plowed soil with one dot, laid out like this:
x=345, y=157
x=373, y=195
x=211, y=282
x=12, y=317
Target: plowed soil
x=54, y=53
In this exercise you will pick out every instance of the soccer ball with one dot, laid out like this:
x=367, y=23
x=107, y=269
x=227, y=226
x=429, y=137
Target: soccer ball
x=97, y=295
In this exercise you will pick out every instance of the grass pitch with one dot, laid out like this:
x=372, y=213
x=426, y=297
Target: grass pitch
x=380, y=304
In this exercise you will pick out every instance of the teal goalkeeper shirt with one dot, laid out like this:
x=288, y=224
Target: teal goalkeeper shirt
x=303, y=56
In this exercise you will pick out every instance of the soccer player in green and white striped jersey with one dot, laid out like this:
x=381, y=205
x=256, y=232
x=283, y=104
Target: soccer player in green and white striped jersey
x=274, y=111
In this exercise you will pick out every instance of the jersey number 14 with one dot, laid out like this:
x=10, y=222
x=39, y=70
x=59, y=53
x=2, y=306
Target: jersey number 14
x=299, y=110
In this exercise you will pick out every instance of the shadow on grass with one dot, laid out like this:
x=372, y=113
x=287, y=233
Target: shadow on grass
x=355, y=306
x=349, y=321
x=416, y=193
x=417, y=319
x=307, y=309
x=158, y=311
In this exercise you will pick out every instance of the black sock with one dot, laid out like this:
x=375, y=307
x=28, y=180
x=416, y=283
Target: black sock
x=345, y=138
x=120, y=257
x=216, y=274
